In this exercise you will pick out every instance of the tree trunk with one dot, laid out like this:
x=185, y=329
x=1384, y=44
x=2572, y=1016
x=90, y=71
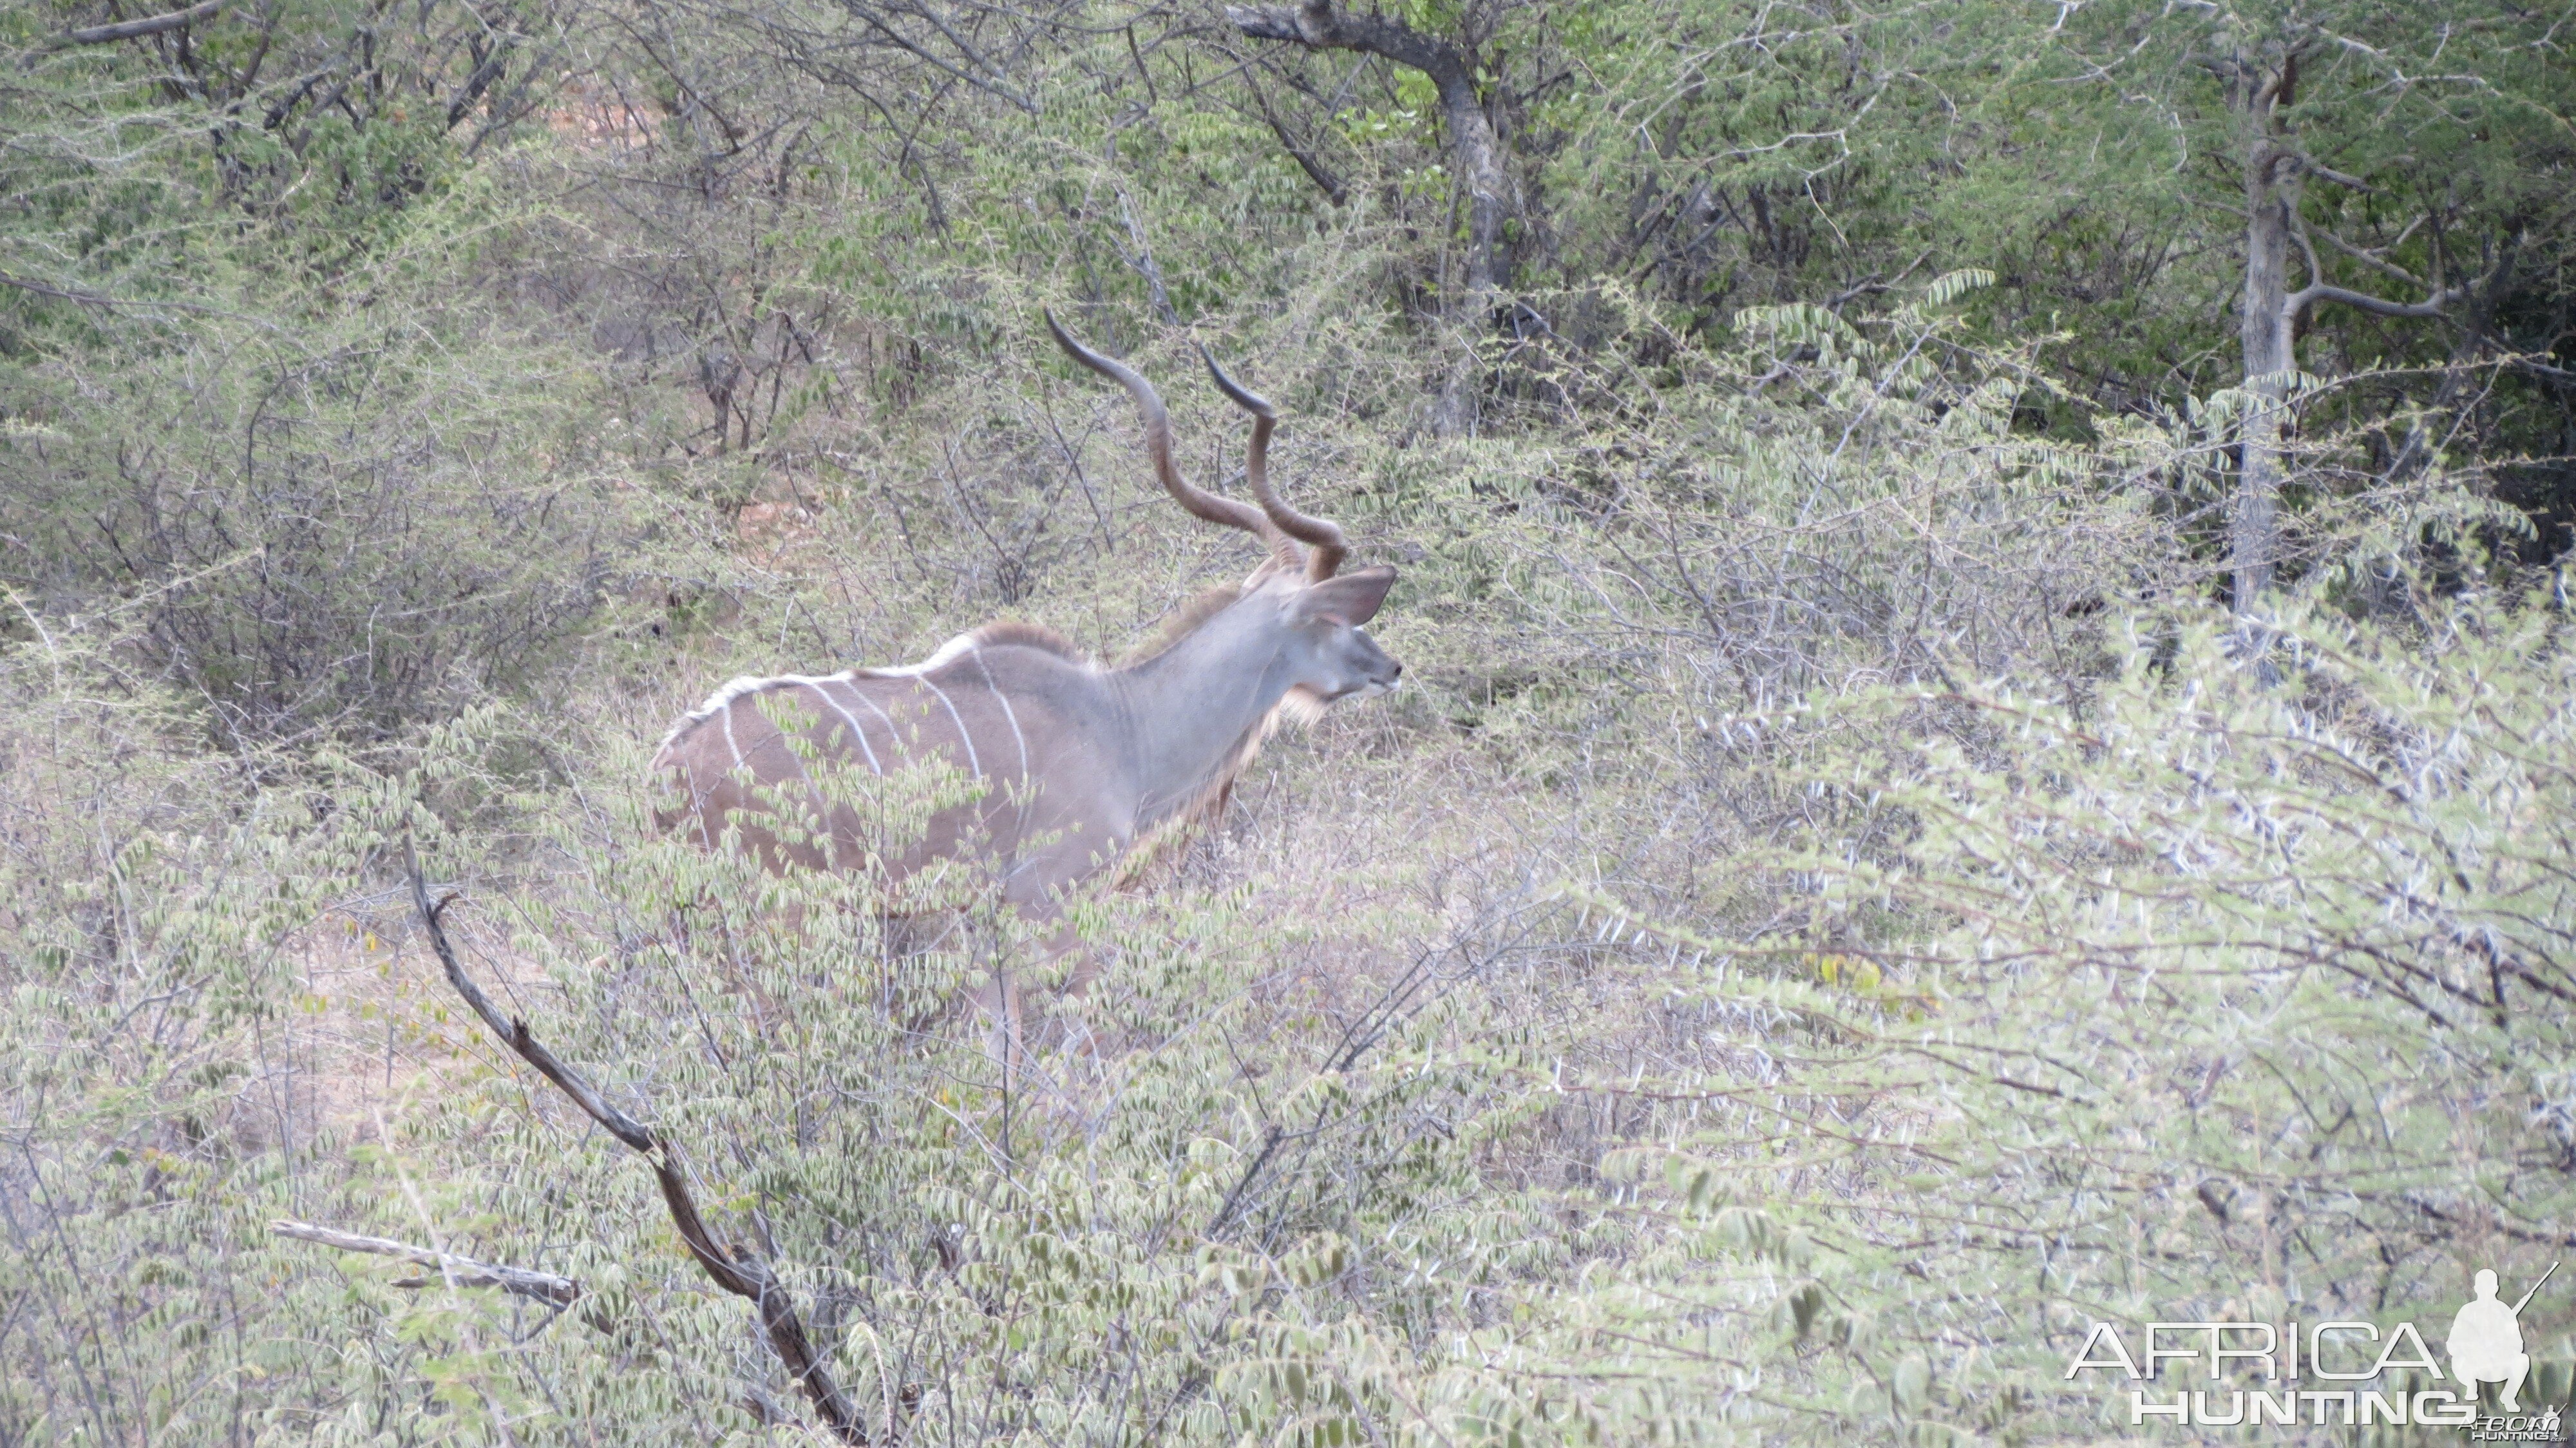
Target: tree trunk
x=2268, y=332
x=1489, y=205
x=2275, y=169
x=1473, y=144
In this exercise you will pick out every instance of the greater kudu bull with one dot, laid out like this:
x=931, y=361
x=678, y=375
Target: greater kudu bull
x=1078, y=760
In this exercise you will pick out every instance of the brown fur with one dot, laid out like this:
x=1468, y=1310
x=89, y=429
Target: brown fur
x=845, y=722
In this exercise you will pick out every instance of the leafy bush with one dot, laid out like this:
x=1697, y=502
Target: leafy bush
x=152, y=1106
x=323, y=536
x=257, y=391
x=2199, y=998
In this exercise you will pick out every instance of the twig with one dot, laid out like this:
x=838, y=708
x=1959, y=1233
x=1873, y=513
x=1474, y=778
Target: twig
x=458, y=1271
x=108, y=303
x=1143, y=260
x=136, y=29
x=735, y=1271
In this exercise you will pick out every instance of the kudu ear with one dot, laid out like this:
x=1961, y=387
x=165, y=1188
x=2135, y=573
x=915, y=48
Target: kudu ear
x=1351, y=599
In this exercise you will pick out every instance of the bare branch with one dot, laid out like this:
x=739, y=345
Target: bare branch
x=1318, y=25
x=515, y=1033
x=1306, y=157
x=2376, y=259
x=1143, y=260
x=2317, y=289
x=478, y=82
x=2307, y=251
x=979, y=72
x=452, y=1269
x=108, y=303
x=2324, y=172
x=136, y=29
x=86, y=299
x=2537, y=367
x=735, y=1271
x=2315, y=292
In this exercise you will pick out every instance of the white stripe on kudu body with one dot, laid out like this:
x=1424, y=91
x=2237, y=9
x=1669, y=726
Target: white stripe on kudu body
x=882, y=717
x=1101, y=754
x=849, y=720
x=1010, y=715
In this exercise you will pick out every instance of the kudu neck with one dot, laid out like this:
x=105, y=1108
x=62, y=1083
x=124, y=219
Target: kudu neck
x=1192, y=704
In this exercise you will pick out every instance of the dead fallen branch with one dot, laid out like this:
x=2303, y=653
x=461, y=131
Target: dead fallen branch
x=452, y=1269
x=735, y=1271
x=138, y=29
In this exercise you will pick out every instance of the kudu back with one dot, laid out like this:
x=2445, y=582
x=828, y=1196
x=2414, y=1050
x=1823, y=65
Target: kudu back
x=1077, y=761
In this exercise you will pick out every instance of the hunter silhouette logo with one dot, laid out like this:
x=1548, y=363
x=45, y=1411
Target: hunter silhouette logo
x=2486, y=1340
x=2346, y=1372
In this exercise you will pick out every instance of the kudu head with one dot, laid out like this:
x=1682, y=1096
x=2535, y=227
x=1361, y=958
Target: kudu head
x=1297, y=609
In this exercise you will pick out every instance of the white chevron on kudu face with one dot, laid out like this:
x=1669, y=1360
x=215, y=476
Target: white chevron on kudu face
x=1078, y=759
